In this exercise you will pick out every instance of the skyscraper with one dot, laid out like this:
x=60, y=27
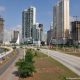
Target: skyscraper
x=61, y=20
x=28, y=20
x=15, y=36
x=37, y=33
x=1, y=29
x=41, y=31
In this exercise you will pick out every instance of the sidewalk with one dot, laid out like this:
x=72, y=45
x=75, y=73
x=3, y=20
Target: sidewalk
x=10, y=73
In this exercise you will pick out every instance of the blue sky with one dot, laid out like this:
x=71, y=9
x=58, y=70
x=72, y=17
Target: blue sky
x=11, y=10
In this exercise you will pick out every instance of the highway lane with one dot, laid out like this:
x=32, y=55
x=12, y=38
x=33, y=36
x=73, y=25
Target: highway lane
x=6, y=65
x=10, y=72
x=70, y=61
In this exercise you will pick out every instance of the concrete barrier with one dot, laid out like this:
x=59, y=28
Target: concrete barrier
x=6, y=53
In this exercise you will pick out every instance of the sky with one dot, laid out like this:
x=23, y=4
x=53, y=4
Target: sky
x=11, y=11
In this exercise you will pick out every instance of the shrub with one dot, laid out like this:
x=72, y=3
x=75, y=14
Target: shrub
x=26, y=66
x=29, y=56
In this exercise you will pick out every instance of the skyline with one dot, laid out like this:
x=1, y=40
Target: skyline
x=13, y=14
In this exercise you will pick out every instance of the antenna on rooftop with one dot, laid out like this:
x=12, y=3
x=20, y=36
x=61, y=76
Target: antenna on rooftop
x=75, y=18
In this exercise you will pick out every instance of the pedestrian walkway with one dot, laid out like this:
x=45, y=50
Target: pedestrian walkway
x=9, y=74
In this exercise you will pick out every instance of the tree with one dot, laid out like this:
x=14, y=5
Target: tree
x=29, y=56
x=26, y=66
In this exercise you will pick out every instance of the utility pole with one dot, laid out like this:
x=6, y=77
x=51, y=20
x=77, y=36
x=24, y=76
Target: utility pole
x=39, y=37
x=24, y=52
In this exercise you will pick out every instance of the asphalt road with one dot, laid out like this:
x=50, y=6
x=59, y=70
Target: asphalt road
x=8, y=71
x=70, y=61
x=6, y=65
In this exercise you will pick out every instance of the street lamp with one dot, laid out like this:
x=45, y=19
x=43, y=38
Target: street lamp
x=24, y=53
x=39, y=37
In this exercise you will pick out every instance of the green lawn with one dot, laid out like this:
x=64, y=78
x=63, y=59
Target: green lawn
x=49, y=69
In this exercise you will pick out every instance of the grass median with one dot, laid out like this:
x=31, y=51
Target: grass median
x=49, y=69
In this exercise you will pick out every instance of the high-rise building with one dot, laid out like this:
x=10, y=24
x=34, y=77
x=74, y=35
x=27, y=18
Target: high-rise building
x=44, y=37
x=1, y=29
x=75, y=31
x=15, y=36
x=41, y=31
x=61, y=20
x=49, y=36
x=28, y=20
x=37, y=33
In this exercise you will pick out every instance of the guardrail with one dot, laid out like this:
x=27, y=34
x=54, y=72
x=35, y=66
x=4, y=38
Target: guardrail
x=6, y=53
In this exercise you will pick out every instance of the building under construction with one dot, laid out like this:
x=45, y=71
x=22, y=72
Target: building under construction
x=1, y=29
x=75, y=31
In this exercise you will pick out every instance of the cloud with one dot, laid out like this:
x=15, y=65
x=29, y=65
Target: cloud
x=2, y=8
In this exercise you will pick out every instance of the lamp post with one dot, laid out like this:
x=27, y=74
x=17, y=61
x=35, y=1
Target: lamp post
x=24, y=53
x=39, y=38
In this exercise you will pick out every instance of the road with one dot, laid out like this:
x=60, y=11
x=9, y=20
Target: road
x=7, y=71
x=70, y=61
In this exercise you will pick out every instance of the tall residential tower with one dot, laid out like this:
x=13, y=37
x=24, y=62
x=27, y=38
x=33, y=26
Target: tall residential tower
x=61, y=21
x=28, y=20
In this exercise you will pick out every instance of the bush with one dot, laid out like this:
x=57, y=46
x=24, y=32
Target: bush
x=36, y=53
x=25, y=66
x=29, y=56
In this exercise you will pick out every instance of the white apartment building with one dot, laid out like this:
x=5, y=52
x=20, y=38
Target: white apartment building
x=28, y=20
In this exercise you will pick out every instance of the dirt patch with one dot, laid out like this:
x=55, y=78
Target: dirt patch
x=49, y=69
